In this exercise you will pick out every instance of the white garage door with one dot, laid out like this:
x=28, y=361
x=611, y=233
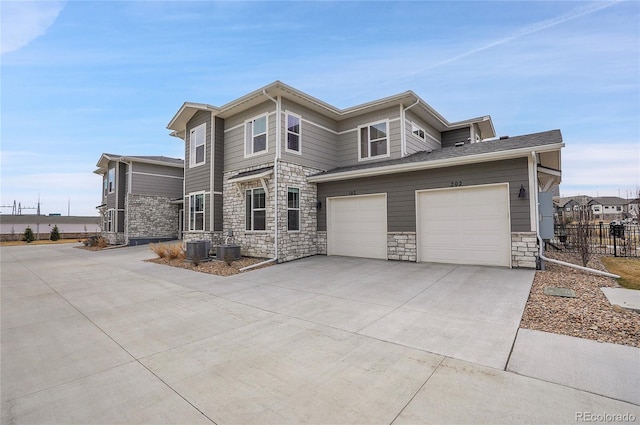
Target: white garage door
x=357, y=226
x=465, y=225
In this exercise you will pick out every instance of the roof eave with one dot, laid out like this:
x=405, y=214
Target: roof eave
x=185, y=113
x=438, y=163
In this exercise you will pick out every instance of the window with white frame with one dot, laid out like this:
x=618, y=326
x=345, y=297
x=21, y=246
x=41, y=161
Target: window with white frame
x=105, y=185
x=108, y=221
x=293, y=208
x=255, y=209
x=418, y=131
x=618, y=208
x=596, y=209
x=256, y=135
x=374, y=140
x=293, y=133
x=111, y=179
x=197, y=138
x=196, y=211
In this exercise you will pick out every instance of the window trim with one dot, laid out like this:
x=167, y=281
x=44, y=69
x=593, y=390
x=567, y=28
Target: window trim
x=193, y=147
x=294, y=209
x=415, y=127
x=111, y=183
x=368, y=126
x=299, y=134
x=192, y=220
x=109, y=220
x=266, y=135
x=253, y=221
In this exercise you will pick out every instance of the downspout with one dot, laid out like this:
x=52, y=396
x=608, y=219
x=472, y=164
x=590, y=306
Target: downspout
x=541, y=242
x=275, y=174
x=403, y=132
x=126, y=209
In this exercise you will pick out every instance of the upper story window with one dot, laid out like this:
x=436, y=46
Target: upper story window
x=255, y=136
x=197, y=137
x=596, y=208
x=293, y=133
x=255, y=209
x=374, y=140
x=111, y=179
x=418, y=131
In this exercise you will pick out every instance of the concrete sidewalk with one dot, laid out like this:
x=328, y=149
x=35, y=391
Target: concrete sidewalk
x=103, y=337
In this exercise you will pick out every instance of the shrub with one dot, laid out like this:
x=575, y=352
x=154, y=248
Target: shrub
x=28, y=235
x=55, y=233
x=158, y=249
x=175, y=251
x=101, y=242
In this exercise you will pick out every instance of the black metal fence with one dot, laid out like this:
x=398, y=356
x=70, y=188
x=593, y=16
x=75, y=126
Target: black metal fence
x=622, y=240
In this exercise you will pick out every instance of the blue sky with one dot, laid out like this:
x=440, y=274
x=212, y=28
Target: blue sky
x=80, y=78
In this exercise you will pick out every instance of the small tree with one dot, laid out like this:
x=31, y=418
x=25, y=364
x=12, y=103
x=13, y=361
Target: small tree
x=55, y=233
x=28, y=235
x=583, y=238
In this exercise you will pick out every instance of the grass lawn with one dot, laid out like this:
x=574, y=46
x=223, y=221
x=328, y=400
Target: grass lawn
x=627, y=268
x=41, y=242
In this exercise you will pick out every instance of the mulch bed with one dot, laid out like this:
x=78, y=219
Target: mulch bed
x=219, y=268
x=589, y=315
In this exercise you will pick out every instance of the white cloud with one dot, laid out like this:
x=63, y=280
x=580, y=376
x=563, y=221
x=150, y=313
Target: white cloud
x=24, y=21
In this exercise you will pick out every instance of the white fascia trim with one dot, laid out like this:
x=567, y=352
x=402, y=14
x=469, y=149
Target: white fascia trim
x=425, y=165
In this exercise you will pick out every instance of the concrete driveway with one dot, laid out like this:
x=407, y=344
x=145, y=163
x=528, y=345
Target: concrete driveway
x=104, y=337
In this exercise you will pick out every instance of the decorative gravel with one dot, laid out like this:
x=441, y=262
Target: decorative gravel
x=589, y=315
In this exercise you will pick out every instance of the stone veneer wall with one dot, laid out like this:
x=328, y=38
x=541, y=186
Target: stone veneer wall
x=113, y=238
x=322, y=242
x=292, y=244
x=401, y=246
x=302, y=243
x=524, y=249
x=152, y=216
x=216, y=238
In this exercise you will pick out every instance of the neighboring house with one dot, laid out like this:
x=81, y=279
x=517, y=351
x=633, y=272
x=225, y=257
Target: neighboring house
x=605, y=208
x=141, y=198
x=12, y=227
x=609, y=208
x=292, y=176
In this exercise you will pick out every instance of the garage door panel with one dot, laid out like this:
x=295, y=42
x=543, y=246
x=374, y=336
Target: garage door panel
x=358, y=226
x=465, y=225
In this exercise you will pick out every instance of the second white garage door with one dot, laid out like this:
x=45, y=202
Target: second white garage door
x=467, y=225
x=357, y=226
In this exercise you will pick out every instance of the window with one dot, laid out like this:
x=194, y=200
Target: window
x=293, y=208
x=255, y=210
x=108, y=221
x=417, y=131
x=618, y=208
x=373, y=140
x=197, y=145
x=293, y=133
x=196, y=212
x=596, y=208
x=105, y=185
x=256, y=135
x=111, y=178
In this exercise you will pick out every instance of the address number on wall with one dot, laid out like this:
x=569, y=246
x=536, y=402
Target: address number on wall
x=456, y=183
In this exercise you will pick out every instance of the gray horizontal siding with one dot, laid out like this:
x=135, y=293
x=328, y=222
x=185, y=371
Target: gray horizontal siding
x=198, y=178
x=414, y=143
x=140, y=167
x=143, y=184
x=217, y=213
x=400, y=189
x=218, y=155
x=318, y=144
x=234, y=139
x=121, y=181
x=347, y=149
x=450, y=138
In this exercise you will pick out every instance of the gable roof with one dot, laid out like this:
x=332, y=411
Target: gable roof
x=490, y=150
x=105, y=158
x=278, y=88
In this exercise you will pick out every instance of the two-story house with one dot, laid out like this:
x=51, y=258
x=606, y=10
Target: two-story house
x=141, y=198
x=292, y=176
